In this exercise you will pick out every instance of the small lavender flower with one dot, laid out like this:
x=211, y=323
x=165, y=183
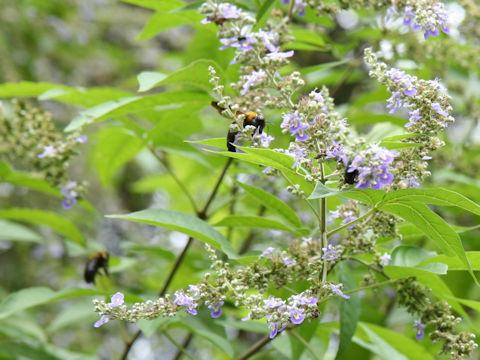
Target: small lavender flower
x=395, y=102
x=300, y=299
x=426, y=157
x=82, y=139
x=438, y=109
x=280, y=55
x=349, y=216
x=300, y=6
x=48, y=151
x=296, y=314
x=194, y=290
x=385, y=259
x=70, y=194
x=329, y=253
x=418, y=326
x=336, y=289
x=251, y=80
x=338, y=152
x=116, y=300
x=287, y=260
x=272, y=302
x=267, y=252
x=103, y=320
x=307, y=240
x=216, y=309
x=293, y=123
x=225, y=11
x=187, y=301
x=414, y=116
x=297, y=152
x=266, y=139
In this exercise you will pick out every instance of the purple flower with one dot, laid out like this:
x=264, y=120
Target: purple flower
x=299, y=4
x=266, y=139
x=296, y=314
x=293, y=123
x=408, y=16
x=409, y=89
x=383, y=154
x=394, y=102
x=385, y=259
x=337, y=151
x=300, y=299
x=438, y=109
x=418, y=326
x=70, y=194
x=116, y=300
x=187, y=301
x=412, y=182
x=336, y=290
x=251, y=80
x=194, y=290
x=268, y=40
x=229, y=11
x=414, y=116
x=287, y=261
x=241, y=43
x=280, y=55
x=267, y=252
x=276, y=328
x=348, y=217
x=82, y=138
x=103, y=320
x=216, y=309
x=329, y=253
x=297, y=152
x=48, y=151
x=426, y=157
x=307, y=240
x=272, y=302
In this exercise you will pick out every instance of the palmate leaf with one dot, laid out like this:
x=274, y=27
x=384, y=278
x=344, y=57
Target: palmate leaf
x=185, y=223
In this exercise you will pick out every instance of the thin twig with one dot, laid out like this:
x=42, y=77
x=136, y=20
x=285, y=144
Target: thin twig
x=257, y=346
x=305, y=343
x=367, y=214
x=180, y=184
x=179, y=347
x=185, y=344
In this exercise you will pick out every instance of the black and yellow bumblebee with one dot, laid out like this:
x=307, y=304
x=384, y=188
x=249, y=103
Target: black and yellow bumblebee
x=251, y=118
x=351, y=177
x=98, y=261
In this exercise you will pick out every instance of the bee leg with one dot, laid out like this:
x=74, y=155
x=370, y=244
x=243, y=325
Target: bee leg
x=230, y=140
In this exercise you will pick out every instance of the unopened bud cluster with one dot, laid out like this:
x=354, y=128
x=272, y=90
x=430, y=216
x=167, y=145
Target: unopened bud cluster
x=29, y=137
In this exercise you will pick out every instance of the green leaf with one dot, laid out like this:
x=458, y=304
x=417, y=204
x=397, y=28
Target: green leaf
x=367, y=196
x=436, y=196
x=323, y=191
x=150, y=327
x=273, y=203
x=308, y=37
x=215, y=142
x=18, y=178
x=305, y=332
x=409, y=256
x=409, y=347
x=349, y=308
x=195, y=74
x=18, y=350
x=115, y=147
x=455, y=263
x=74, y=314
x=263, y=13
x=35, y=296
x=252, y=326
x=378, y=345
x=148, y=79
x=269, y=158
x=135, y=104
x=185, y=223
x=17, y=232
x=381, y=130
x=432, y=225
x=28, y=89
x=195, y=326
x=254, y=221
x=54, y=221
x=161, y=21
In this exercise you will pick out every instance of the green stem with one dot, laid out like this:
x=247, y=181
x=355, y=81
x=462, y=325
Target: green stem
x=323, y=224
x=364, y=216
x=177, y=345
x=305, y=343
x=370, y=286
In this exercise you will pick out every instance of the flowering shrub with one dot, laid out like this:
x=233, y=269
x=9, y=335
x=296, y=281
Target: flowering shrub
x=316, y=228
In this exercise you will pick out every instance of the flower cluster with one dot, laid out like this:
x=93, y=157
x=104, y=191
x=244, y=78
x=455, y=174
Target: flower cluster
x=436, y=314
x=28, y=136
x=429, y=16
x=429, y=114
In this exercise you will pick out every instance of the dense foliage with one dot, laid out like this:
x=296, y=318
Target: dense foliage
x=247, y=179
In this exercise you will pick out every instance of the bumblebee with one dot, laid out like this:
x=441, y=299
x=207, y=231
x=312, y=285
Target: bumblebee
x=351, y=177
x=251, y=118
x=98, y=261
